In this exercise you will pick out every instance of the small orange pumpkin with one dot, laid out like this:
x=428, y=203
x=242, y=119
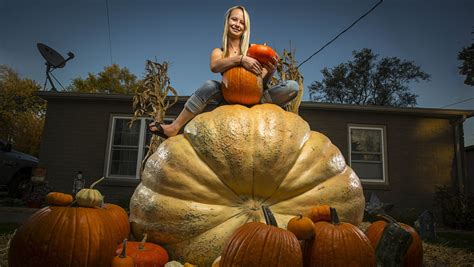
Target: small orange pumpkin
x=262, y=53
x=301, y=226
x=320, y=213
x=240, y=86
x=58, y=199
x=146, y=254
x=338, y=244
x=122, y=260
x=414, y=255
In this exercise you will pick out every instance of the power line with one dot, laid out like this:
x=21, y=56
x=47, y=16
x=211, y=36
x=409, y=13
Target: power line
x=333, y=39
x=108, y=26
x=459, y=102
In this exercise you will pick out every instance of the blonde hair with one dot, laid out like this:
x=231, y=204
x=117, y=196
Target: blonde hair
x=245, y=38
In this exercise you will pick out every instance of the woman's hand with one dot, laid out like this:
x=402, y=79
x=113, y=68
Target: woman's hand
x=271, y=66
x=252, y=65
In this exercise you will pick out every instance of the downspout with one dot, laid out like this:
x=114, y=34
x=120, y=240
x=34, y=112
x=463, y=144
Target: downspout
x=459, y=152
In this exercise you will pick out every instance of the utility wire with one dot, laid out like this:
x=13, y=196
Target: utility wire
x=333, y=39
x=108, y=26
x=459, y=102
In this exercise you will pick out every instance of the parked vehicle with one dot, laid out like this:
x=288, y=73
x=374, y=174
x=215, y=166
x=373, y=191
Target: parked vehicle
x=15, y=169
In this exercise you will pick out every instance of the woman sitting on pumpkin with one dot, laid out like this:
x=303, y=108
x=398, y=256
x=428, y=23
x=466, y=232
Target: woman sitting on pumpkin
x=235, y=43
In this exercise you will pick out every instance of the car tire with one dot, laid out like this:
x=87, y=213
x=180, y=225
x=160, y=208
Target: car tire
x=19, y=186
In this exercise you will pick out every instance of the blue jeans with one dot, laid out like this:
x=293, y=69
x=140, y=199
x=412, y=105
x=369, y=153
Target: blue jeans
x=281, y=94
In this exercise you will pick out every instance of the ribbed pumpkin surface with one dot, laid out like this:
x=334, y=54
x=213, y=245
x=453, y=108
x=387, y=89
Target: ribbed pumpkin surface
x=339, y=245
x=240, y=86
x=64, y=236
x=197, y=189
x=257, y=244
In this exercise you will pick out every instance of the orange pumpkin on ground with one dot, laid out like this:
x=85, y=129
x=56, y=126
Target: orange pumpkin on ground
x=338, y=244
x=414, y=255
x=302, y=227
x=320, y=213
x=146, y=254
x=65, y=236
x=240, y=86
x=120, y=221
x=58, y=199
x=122, y=260
x=262, y=53
x=259, y=244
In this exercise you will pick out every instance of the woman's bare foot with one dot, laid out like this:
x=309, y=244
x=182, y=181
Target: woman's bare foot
x=164, y=130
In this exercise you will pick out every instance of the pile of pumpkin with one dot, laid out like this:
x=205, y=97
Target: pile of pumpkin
x=320, y=239
x=83, y=231
x=89, y=232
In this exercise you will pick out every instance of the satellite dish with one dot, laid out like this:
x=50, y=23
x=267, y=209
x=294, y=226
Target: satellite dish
x=54, y=60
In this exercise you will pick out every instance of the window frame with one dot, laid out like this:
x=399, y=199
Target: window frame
x=384, y=161
x=141, y=146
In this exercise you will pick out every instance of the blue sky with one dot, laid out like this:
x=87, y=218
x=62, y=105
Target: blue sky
x=430, y=33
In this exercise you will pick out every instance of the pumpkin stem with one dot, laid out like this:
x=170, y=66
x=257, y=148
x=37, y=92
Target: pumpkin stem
x=124, y=248
x=387, y=218
x=96, y=182
x=334, y=217
x=269, y=218
x=142, y=244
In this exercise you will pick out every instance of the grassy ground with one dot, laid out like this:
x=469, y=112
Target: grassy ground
x=8, y=228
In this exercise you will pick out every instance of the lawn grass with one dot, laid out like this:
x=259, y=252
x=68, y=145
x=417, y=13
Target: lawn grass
x=8, y=228
x=463, y=240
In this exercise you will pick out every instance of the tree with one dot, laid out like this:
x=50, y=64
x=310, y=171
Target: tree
x=21, y=111
x=112, y=80
x=467, y=67
x=364, y=81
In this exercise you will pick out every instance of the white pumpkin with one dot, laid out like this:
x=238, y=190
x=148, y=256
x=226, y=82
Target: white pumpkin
x=198, y=188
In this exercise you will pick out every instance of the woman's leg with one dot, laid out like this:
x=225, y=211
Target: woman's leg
x=210, y=90
x=281, y=94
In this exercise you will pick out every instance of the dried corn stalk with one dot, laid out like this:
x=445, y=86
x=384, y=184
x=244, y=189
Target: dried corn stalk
x=287, y=69
x=153, y=100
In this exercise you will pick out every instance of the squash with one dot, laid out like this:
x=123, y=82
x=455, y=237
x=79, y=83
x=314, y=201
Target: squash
x=262, y=53
x=122, y=260
x=240, y=86
x=301, y=226
x=320, y=213
x=65, y=236
x=58, y=199
x=198, y=188
x=90, y=197
x=414, y=255
x=338, y=244
x=259, y=244
x=146, y=254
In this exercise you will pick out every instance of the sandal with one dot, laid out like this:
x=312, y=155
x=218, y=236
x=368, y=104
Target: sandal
x=160, y=132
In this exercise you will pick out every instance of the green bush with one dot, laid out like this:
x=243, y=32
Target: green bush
x=457, y=209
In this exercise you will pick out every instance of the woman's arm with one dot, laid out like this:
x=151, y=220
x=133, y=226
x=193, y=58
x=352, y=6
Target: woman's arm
x=221, y=64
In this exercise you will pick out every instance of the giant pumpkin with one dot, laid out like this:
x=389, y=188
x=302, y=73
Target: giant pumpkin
x=198, y=188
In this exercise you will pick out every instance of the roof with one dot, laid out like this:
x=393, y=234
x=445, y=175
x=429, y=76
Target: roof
x=305, y=105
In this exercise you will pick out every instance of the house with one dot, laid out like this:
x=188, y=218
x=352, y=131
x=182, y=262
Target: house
x=401, y=154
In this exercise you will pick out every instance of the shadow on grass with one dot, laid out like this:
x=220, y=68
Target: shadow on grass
x=463, y=240
x=8, y=228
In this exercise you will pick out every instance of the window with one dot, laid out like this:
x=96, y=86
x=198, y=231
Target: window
x=127, y=147
x=367, y=154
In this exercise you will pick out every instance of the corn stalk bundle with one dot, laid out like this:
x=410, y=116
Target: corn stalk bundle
x=287, y=69
x=152, y=100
